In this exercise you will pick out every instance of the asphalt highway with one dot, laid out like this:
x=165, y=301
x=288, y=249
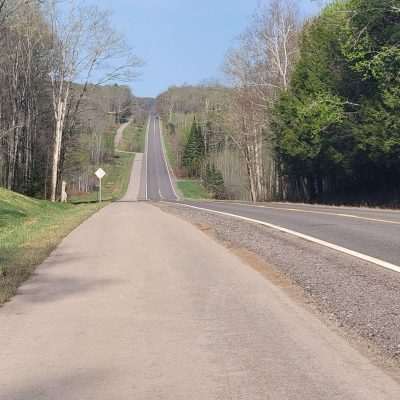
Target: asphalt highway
x=372, y=232
x=158, y=182
x=137, y=303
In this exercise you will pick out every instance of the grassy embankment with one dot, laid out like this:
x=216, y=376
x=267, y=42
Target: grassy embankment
x=192, y=189
x=30, y=229
x=133, y=139
x=189, y=188
x=115, y=183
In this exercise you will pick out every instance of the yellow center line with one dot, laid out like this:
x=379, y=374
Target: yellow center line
x=385, y=221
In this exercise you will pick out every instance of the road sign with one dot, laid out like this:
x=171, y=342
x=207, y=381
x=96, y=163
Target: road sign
x=100, y=173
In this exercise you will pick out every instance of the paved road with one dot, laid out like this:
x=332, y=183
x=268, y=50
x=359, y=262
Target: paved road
x=158, y=182
x=138, y=304
x=373, y=232
x=133, y=191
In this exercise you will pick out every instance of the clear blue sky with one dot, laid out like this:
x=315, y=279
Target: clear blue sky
x=182, y=41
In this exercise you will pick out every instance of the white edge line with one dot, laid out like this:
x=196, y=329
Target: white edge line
x=282, y=203
x=312, y=239
x=363, y=208
x=165, y=159
x=299, y=210
x=147, y=156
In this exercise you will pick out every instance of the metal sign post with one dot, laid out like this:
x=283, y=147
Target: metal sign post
x=100, y=173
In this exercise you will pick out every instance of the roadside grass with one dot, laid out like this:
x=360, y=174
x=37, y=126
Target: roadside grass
x=193, y=189
x=29, y=230
x=118, y=169
x=189, y=188
x=133, y=139
x=114, y=184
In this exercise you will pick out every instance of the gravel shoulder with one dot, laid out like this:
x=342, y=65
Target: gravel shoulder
x=360, y=300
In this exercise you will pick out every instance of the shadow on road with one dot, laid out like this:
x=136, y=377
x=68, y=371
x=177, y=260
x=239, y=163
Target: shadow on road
x=46, y=286
x=69, y=386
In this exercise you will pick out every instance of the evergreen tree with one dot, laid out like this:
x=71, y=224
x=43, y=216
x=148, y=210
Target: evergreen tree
x=214, y=182
x=194, y=152
x=338, y=127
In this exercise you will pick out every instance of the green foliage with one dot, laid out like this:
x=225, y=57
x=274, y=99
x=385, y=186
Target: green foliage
x=29, y=230
x=171, y=128
x=194, y=151
x=310, y=118
x=114, y=184
x=214, y=182
x=134, y=138
x=338, y=127
x=372, y=49
x=192, y=189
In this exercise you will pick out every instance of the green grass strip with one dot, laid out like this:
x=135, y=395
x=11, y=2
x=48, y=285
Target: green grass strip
x=29, y=230
x=193, y=189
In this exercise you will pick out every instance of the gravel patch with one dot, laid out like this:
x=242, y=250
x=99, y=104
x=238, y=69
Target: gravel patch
x=360, y=298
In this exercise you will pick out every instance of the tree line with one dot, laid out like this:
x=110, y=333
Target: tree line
x=58, y=65
x=338, y=126
x=311, y=111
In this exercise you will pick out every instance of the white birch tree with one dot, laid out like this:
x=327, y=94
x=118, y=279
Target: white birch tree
x=85, y=48
x=259, y=69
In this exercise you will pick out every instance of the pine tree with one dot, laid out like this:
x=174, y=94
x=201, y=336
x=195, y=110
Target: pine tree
x=194, y=151
x=214, y=182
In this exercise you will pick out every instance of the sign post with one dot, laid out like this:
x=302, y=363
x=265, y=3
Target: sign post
x=100, y=175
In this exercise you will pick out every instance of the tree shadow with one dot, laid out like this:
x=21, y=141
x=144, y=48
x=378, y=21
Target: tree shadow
x=71, y=386
x=47, y=284
x=79, y=202
x=48, y=288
